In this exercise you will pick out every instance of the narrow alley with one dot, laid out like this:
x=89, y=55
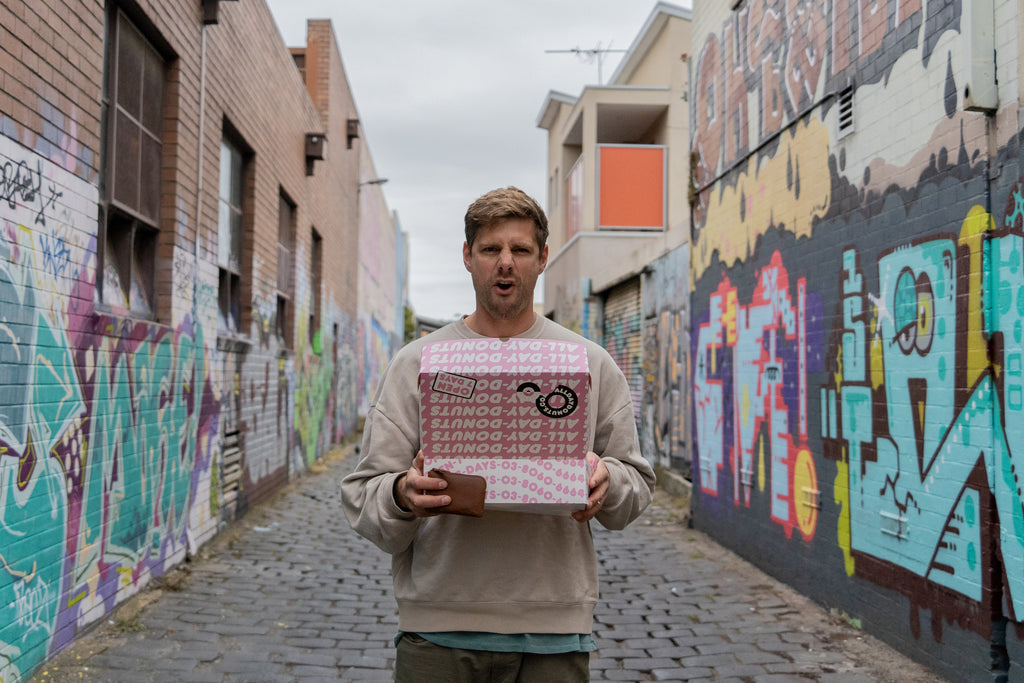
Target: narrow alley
x=290, y=593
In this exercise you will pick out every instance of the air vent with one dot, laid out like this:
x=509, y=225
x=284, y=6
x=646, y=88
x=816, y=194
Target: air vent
x=846, y=112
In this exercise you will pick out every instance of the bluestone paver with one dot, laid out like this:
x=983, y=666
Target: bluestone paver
x=290, y=593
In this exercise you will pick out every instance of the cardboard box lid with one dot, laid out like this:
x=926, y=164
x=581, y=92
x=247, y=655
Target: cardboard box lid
x=498, y=398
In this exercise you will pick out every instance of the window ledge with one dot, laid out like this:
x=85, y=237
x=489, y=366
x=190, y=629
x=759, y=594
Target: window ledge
x=100, y=308
x=228, y=340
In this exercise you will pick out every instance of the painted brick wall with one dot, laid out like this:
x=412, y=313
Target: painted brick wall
x=665, y=408
x=856, y=316
x=113, y=456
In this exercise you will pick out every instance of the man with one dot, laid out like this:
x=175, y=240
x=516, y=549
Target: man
x=509, y=596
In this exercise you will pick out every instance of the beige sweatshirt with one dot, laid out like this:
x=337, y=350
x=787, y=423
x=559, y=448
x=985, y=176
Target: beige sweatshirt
x=506, y=572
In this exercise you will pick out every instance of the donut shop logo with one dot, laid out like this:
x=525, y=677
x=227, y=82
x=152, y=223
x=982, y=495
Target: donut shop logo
x=559, y=403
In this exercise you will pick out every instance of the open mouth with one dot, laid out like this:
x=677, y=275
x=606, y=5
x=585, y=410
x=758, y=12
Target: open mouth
x=504, y=286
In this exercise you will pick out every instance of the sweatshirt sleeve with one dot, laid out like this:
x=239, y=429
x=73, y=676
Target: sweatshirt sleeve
x=388, y=449
x=631, y=482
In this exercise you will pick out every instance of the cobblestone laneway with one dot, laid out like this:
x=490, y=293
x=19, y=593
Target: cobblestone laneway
x=292, y=594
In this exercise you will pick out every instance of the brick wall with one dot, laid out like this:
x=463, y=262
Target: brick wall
x=855, y=329
x=127, y=436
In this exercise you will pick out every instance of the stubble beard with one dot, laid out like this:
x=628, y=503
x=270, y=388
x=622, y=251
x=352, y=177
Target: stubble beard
x=505, y=309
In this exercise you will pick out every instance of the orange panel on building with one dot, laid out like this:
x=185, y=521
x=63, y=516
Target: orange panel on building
x=632, y=187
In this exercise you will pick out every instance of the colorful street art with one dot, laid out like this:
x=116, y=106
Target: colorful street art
x=858, y=316
x=750, y=398
x=922, y=419
x=771, y=165
x=314, y=370
x=665, y=404
x=623, y=336
x=375, y=351
x=107, y=427
x=111, y=429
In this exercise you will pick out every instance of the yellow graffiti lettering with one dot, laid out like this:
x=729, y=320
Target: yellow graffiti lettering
x=787, y=191
x=972, y=234
x=841, y=495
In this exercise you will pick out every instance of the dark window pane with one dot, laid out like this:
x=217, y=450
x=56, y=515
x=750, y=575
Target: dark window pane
x=126, y=161
x=153, y=92
x=229, y=299
x=149, y=200
x=117, y=261
x=224, y=299
x=316, y=277
x=141, y=299
x=236, y=302
x=130, y=50
x=282, y=320
x=285, y=219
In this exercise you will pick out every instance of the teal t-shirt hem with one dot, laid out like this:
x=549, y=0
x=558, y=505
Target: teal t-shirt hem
x=532, y=643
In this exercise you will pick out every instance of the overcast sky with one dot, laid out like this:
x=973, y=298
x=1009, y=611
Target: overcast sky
x=448, y=94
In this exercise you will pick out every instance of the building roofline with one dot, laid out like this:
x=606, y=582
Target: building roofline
x=549, y=110
x=642, y=42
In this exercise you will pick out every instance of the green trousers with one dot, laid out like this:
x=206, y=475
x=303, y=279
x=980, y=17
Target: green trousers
x=420, y=661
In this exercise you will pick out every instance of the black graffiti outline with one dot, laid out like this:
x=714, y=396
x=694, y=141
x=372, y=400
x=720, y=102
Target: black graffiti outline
x=20, y=182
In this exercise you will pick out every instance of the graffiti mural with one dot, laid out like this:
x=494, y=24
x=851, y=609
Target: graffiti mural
x=921, y=418
x=834, y=149
x=345, y=390
x=375, y=351
x=750, y=398
x=106, y=426
x=665, y=407
x=623, y=336
x=781, y=56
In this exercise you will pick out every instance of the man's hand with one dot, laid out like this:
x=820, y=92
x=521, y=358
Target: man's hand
x=598, y=483
x=409, y=491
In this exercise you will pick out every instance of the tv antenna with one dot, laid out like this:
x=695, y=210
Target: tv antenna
x=590, y=55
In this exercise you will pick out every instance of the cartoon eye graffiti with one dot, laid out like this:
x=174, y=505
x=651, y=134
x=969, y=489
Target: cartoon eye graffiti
x=914, y=313
x=559, y=403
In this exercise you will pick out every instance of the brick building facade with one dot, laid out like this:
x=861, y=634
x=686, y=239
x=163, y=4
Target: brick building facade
x=856, y=312
x=179, y=266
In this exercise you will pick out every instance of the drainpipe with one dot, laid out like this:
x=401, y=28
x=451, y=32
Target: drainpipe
x=193, y=547
x=981, y=94
x=199, y=161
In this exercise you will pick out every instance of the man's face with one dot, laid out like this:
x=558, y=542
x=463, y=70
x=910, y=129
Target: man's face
x=505, y=262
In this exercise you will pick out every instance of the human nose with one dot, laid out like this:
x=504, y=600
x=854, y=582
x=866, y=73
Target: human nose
x=505, y=258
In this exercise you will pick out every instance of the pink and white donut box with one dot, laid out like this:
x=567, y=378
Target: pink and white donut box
x=513, y=411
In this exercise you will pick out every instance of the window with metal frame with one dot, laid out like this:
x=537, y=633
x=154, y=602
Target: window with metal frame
x=133, y=110
x=229, y=236
x=286, y=218
x=316, y=265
